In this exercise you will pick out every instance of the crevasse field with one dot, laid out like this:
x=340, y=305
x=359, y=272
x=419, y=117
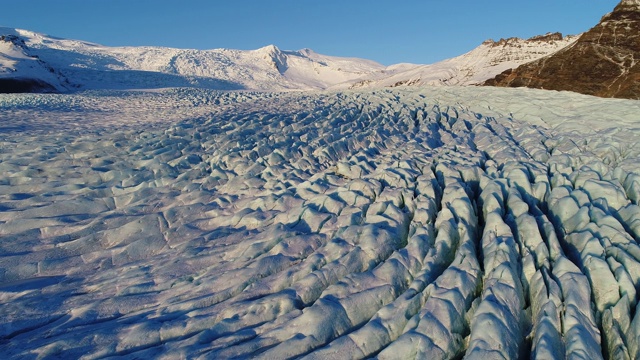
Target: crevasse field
x=431, y=224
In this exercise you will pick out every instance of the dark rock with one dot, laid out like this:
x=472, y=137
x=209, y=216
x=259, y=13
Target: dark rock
x=19, y=85
x=546, y=38
x=605, y=61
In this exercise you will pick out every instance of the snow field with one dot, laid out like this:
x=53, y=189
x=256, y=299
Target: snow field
x=386, y=224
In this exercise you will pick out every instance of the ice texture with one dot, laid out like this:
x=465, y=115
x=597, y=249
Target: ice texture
x=392, y=224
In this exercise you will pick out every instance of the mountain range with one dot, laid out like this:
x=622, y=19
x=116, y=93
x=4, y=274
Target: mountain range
x=44, y=63
x=473, y=68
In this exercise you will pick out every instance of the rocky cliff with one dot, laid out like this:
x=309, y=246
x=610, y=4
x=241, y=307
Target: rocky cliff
x=605, y=61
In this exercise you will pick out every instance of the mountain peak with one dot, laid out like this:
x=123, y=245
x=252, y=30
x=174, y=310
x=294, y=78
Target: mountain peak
x=275, y=57
x=306, y=52
x=546, y=38
x=630, y=2
x=604, y=61
x=624, y=10
x=269, y=49
x=556, y=36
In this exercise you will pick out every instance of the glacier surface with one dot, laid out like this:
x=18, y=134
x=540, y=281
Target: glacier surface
x=426, y=223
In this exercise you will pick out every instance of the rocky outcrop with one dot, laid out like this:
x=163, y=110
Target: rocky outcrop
x=18, y=85
x=548, y=38
x=473, y=68
x=605, y=61
x=23, y=72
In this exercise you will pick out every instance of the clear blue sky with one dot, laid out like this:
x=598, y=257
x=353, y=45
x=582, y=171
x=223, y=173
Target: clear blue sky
x=385, y=31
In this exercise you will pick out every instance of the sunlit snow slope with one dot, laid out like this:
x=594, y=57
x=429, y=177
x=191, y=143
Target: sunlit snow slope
x=21, y=70
x=427, y=224
x=83, y=65
x=93, y=66
x=482, y=63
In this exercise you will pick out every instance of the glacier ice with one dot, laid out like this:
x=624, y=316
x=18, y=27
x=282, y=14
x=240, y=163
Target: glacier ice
x=391, y=224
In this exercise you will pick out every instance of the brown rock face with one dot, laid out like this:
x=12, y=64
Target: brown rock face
x=604, y=62
x=547, y=38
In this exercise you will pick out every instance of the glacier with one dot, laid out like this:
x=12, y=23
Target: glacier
x=439, y=223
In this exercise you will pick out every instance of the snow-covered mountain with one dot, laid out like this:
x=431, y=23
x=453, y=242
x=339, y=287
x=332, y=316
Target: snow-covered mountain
x=92, y=66
x=84, y=65
x=484, y=62
x=21, y=70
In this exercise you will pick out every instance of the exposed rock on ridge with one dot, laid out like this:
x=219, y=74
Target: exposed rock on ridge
x=546, y=38
x=473, y=68
x=21, y=71
x=605, y=61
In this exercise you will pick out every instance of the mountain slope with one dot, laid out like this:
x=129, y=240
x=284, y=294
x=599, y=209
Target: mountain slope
x=93, y=66
x=474, y=67
x=605, y=61
x=20, y=71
